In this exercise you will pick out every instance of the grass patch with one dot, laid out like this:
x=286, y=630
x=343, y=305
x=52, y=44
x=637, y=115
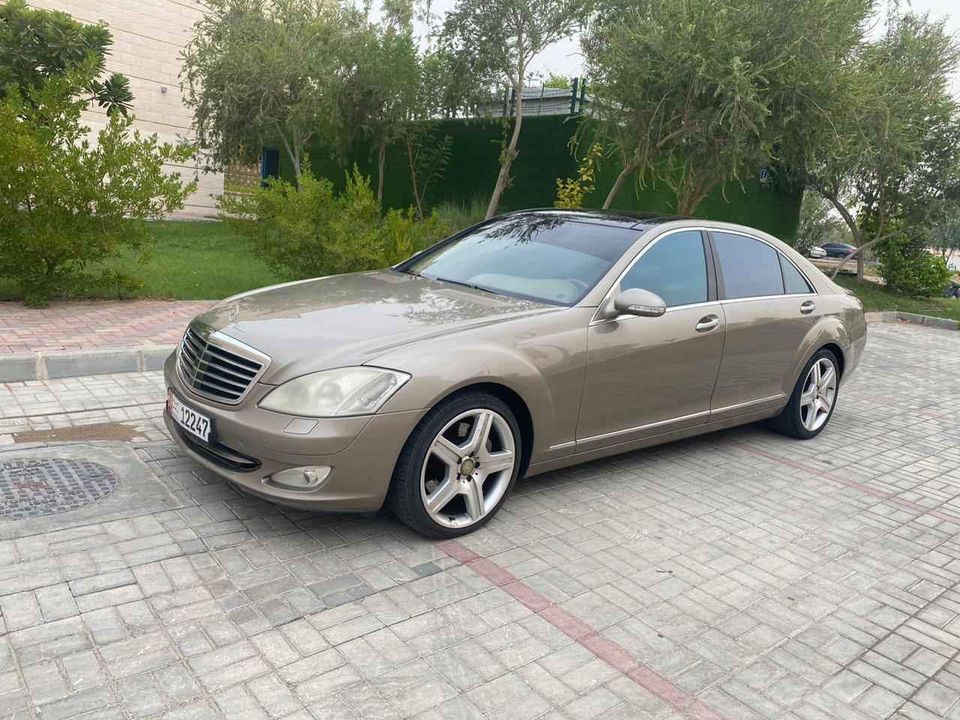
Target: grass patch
x=877, y=298
x=190, y=260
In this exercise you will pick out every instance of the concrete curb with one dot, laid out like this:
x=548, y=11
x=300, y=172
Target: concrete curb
x=914, y=319
x=55, y=365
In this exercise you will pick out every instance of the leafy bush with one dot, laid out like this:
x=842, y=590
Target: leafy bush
x=572, y=191
x=908, y=268
x=311, y=230
x=461, y=215
x=67, y=202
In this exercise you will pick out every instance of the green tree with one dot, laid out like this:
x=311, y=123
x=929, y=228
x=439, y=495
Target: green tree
x=817, y=225
x=494, y=42
x=264, y=71
x=882, y=160
x=559, y=82
x=36, y=45
x=69, y=200
x=694, y=94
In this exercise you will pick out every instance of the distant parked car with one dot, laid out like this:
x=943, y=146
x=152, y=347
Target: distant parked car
x=838, y=250
x=817, y=252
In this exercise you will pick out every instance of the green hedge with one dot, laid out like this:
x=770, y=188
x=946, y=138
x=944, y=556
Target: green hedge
x=544, y=156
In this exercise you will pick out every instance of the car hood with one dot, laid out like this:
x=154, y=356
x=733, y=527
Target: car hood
x=351, y=319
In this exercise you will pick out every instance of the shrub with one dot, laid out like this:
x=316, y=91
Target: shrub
x=572, y=191
x=908, y=268
x=310, y=230
x=461, y=215
x=67, y=202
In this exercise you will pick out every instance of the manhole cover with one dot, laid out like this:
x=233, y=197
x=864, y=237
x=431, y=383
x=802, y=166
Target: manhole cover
x=33, y=487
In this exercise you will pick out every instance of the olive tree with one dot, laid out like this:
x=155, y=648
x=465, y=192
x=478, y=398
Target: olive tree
x=885, y=157
x=263, y=71
x=694, y=94
x=494, y=42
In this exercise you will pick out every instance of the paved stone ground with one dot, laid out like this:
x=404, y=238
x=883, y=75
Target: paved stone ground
x=738, y=575
x=83, y=325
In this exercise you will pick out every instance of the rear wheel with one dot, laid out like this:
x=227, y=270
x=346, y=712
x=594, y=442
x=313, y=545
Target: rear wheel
x=813, y=400
x=457, y=466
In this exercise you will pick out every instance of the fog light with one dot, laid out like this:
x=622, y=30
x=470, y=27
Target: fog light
x=301, y=478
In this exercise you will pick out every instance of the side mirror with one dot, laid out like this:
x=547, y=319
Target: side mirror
x=636, y=302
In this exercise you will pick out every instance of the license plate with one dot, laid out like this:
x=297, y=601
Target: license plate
x=189, y=419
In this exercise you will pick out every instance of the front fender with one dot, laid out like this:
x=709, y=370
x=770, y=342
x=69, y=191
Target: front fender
x=540, y=360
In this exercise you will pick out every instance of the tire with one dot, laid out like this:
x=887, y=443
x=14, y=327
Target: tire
x=450, y=478
x=795, y=420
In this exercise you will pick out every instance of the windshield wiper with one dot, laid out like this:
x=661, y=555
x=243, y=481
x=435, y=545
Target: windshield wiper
x=464, y=284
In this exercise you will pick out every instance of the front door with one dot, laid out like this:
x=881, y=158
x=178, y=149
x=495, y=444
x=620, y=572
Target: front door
x=649, y=375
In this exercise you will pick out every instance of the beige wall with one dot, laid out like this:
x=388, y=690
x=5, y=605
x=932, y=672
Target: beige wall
x=148, y=36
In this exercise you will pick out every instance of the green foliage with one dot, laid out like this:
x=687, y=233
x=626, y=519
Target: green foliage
x=493, y=42
x=892, y=146
x=908, y=269
x=259, y=71
x=36, y=45
x=817, y=226
x=67, y=201
x=696, y=94
x=459, y=215
x=558, y=82
x=876, y=297
x=311, y=230
x=572, y=191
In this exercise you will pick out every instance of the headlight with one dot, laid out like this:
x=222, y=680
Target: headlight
x=332, y=393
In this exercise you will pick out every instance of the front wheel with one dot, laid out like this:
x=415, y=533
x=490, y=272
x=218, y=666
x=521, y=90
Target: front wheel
x=813, y=400
x=457, y=466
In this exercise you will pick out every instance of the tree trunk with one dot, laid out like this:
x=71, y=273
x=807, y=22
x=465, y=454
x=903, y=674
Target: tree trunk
x=413, y=178
x=508, y=155
x=381, y=164
x=854, y=230
x=293, y=152
x=627, y=170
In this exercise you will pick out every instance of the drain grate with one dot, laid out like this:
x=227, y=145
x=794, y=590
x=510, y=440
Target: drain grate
x=34, y=487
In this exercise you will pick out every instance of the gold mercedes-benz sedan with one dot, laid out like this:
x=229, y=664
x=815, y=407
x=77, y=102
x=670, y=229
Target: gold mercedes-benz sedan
x=527, y=343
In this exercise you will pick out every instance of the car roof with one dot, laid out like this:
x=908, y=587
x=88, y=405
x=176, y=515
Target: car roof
x=614, y=218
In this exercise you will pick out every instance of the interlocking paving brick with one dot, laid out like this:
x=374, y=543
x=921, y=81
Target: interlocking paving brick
x=738, y=575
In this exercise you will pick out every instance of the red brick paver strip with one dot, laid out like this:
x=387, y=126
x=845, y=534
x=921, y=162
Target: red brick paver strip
x=94, y=324
x=581, y=632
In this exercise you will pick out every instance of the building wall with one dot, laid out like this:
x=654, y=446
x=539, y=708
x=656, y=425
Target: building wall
x=148, y=37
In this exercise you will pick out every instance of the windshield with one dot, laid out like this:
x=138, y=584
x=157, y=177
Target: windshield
x=545, y=258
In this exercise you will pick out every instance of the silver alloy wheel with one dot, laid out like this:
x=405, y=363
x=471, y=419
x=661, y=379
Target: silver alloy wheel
x=468, y=468
x=818, y=394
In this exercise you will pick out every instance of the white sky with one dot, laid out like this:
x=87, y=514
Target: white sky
x=564, y=58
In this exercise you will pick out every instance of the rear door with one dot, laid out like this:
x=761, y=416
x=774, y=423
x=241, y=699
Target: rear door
x=649, y=375
x=769, y=308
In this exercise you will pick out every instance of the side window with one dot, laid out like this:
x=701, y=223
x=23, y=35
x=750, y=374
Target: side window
x=749, y=267
x=793, y=281
x=675, y=268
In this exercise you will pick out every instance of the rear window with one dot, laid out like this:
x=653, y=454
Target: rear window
x=793, y=280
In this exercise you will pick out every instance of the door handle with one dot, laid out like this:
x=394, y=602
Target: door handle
x=808, y=307
x=707, y=323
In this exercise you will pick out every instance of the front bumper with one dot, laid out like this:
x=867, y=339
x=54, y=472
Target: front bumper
x=252, y=444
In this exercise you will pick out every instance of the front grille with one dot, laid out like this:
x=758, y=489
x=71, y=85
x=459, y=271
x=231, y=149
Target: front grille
x=214, y=371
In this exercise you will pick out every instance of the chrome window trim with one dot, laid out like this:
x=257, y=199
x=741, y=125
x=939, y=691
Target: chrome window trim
x=616, y=283
x=724, y=231
x=765, y=297
x=217, y=338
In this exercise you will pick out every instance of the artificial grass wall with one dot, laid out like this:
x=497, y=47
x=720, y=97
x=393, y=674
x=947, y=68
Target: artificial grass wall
x=544, y=155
